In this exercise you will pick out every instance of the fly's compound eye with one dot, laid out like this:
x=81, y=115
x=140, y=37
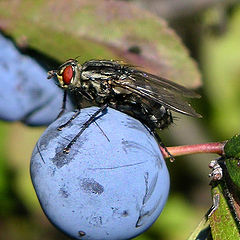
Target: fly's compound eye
x=67, y=75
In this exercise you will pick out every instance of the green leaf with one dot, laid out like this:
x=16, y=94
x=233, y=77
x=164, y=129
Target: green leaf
x=232, y=152
x=233, y=168
x=99, y=29
x=232, y=147
x=223, y=216
x=222, y=222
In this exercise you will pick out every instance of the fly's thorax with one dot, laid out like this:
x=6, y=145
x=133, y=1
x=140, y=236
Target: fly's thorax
x=122, y=80
x=76, y=80
x=97, y=90
x=93, y=75
x=119, y=90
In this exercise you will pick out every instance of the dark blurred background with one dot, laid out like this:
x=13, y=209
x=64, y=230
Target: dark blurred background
x=210, y=31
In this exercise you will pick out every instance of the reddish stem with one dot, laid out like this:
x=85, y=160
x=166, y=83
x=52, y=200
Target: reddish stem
x=217, y=147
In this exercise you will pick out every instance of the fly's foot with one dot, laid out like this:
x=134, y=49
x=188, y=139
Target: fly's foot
x=66, y=150
x=60, y=128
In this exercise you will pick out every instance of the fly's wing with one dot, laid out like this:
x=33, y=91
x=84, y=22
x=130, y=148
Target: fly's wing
x=160, y=90
x=165, y=83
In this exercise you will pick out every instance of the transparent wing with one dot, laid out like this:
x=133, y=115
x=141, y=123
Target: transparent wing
x=160, y=90
x=165, y=83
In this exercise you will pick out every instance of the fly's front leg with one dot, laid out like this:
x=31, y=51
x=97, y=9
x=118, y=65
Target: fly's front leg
x=77, y=112
x=63, y=104
x=85, y=126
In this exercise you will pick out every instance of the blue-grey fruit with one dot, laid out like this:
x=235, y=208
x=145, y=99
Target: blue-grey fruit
x=113, y=184
x=25, y=93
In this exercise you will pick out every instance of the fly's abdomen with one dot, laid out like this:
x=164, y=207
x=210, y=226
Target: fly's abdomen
x=151, y=114
x=165, y=120
x=158, y=117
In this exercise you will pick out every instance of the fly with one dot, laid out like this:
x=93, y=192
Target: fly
x=142, y=95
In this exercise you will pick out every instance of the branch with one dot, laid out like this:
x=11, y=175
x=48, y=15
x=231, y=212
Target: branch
x=216, y=147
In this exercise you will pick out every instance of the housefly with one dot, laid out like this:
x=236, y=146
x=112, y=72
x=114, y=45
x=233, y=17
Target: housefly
x=142, y=95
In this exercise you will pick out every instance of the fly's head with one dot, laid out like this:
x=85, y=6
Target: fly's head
x=68, y=74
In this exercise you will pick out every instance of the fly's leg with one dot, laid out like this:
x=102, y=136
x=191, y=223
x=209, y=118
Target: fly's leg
x=85, y=126
x=63, y=104
x=172, y=159
x=77, y=112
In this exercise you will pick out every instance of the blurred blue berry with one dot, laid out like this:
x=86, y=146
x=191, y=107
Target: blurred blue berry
x=25, y=94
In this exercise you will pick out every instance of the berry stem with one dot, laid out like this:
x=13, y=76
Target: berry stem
x=215, y=147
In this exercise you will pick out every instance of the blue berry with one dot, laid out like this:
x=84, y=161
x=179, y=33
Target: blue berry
x=113, y=183
x=25, y=94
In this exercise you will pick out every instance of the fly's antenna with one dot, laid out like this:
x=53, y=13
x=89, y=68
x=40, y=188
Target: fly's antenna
x=51, y=73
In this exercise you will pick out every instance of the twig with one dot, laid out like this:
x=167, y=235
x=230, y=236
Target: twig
x=216, y=147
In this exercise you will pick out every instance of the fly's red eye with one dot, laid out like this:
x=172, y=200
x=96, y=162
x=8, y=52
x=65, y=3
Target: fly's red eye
x=67, y=75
